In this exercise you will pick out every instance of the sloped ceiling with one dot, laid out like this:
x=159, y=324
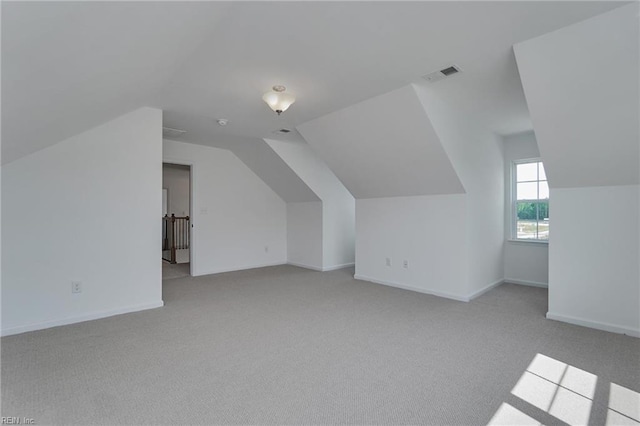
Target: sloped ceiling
x=312, y=170
x=254, y=152
x=384, y=147
x=460, y=110
x=581, y=85
x=68, y=66
x=275, y=172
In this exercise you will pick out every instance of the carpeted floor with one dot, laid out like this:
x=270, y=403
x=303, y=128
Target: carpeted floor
x=284, y=345
x=175, y=270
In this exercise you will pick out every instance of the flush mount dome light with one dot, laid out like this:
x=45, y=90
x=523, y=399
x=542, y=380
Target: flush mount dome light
x=278, y=100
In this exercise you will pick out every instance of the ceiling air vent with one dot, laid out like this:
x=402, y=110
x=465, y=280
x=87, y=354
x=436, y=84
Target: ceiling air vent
x=282, y=131
x=443, y=73
x=168, y=132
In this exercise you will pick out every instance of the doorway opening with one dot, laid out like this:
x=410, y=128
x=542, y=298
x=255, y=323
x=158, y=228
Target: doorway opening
x=176, y=221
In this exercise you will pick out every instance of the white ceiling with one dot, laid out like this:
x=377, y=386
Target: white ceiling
x=586, y=137
x=69, y=66
x=274, y=171
x=377, y=151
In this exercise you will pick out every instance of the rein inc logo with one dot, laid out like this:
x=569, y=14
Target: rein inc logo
x=17, y=421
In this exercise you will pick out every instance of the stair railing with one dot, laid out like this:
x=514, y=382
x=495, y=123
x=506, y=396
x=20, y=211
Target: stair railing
x=175, y=235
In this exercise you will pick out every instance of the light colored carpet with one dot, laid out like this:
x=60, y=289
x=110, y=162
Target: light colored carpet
x=176, y=270
x=284, y=345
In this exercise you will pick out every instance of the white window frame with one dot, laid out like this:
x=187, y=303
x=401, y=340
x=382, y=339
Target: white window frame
x=514, y=202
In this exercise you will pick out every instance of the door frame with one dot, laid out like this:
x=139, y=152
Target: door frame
x=192, y=204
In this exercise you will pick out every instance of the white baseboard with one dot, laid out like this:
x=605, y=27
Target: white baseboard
x=485, y=289
x=264, y=265
x=324, y=269
x=336, y=267
x=594, y=324
x=412, y=288
x=239, y=268
x=80, y=318
x=305, y=266
x=525, y=282
x=467, y=298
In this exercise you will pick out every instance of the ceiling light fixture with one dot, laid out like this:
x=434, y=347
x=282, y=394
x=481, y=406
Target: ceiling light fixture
x=278, y=100
x=222, y=121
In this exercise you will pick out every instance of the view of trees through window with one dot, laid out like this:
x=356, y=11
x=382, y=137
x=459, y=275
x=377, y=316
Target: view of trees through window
x=532, y=201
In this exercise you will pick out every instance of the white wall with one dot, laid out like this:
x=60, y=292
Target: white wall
x=430, y=232
x=338, y=205
x=476, y=155
x=304, y=234
x=339, y=231
x=238, y=221
x=0, y=185
x=85, y=209
x=440, y=150
x=175, y=178
x=586, y=119
x=485, y=211
x=524, y=262
x=593, y=258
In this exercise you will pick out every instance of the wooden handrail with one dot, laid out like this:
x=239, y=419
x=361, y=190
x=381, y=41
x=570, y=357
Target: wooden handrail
x=176, y=235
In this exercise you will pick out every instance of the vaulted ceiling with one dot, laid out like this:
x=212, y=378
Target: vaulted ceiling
x=384, y=147
x=68, y=66
x=584, y=101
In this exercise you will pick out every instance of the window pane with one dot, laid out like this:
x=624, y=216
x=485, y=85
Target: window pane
x=543, y=211
x=527, y=172
x=543, y=230
x=527, y=191
x=544, y=190
x=526, y=211
x=541, y=174
x=543, y=221
x=532, y=201
x=527, y=223
x=526, y=229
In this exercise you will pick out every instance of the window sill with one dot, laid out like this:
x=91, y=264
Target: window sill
x=539, y=242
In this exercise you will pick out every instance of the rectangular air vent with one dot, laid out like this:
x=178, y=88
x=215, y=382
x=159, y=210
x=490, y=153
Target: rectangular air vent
x=168, y=132
x=443, y=73
x=449, y=71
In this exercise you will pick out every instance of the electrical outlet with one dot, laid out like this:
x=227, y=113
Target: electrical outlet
x=388, y=261
x=405, y=264
x=76, y=286
x=266, y=249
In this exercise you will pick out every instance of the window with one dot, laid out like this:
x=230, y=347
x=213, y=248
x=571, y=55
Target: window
x=530, y=201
